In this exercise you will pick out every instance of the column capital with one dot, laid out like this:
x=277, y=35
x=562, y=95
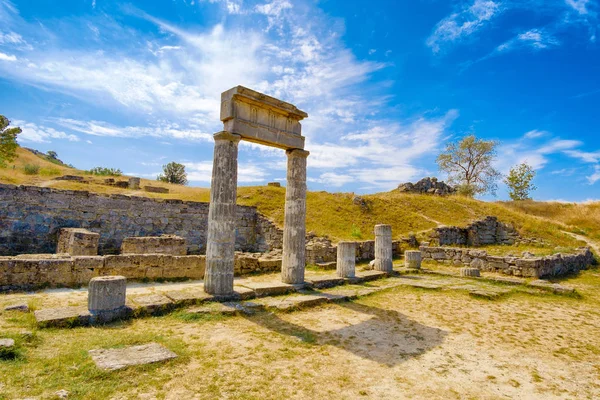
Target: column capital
x=297, y=153
x=224, y=135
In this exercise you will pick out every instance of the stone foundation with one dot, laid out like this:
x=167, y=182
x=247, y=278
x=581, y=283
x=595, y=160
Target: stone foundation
x=29, y=272
x=536, y=267
x=165, y=244
x=77, y=242
x=320, y=250
x=484, y=232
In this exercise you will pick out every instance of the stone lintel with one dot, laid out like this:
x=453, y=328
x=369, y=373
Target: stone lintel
x=262, y=119
x=225, y=135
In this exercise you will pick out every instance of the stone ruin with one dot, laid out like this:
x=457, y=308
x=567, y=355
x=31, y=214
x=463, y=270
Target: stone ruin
x=427, y=186
x=487, y=231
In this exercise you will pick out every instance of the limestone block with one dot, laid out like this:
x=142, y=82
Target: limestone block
x=156, y=189
x=164, y=244
x=78, y=242
x=85, y=268
x=134, y=183
x=346, y=259
x=106, y=294
x=412, y=259
x=473, y=272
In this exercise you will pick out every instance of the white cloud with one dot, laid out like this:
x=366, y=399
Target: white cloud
x=537, y=39
x=333, y=179
x=534, y=134
x=578, y=5
x=595, y=177
x=41, y=134
x=7, y=57
x=247, y=173
x=586, y=156
x=463, y=23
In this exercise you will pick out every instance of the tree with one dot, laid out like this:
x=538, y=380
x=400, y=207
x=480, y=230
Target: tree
x=468, y=164
x=173, y=173
x=8, y=141
x=52, y=154
x=519, y=181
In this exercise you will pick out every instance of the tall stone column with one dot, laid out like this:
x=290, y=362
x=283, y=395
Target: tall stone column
x=220, y=246
x=383, y=248
x=294, y=227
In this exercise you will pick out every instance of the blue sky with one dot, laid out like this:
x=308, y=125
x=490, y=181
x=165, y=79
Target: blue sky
x=134, y=85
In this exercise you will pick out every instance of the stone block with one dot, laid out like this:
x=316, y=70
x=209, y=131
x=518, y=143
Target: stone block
x=115, y=359
x=412, y=259
x=322, y=282
x=106, y=298
x=155, y=189
x=85, y=268
x=134, y=183
x=153, y=304
x=64, y=317
x=165, y=244
x=270, y=288
x=78, y=242
x=188, y=297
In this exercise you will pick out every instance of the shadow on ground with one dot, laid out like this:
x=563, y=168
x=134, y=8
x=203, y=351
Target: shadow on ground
x=384, y=336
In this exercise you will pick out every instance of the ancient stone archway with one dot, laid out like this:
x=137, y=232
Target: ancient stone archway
x=255, y=117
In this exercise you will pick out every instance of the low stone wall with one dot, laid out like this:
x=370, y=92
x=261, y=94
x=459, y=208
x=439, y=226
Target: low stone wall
x=165, y=244
x=61, y=270
x=484, y=232
x=320, y=250
x=537, y=267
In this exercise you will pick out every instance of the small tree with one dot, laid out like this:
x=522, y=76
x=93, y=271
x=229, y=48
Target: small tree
x=52, y=154
x=8, y=141
x=173, y=173
x=519, y=181
x=468, y=164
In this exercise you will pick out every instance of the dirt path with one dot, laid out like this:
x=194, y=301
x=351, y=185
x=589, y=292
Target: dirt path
x=595, y=246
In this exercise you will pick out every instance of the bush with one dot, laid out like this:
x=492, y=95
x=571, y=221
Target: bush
x=102, y=171
x=31, y=169
x=50, y=171
x=356, y=233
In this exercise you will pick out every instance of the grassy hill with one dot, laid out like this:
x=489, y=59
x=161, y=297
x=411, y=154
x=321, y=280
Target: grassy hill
x=337, y=216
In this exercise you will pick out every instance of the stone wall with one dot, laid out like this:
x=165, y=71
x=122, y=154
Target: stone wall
x=484, y=232
x=537, y=267
x=165, y=244
x=321, y=250
x=27, y=272
x=31, y=216
x=427, y=186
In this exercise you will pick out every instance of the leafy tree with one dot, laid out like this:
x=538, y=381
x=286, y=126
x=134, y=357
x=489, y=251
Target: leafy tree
x=52, y=154
x=468, y=164
x=519, y=181
x=8, y=141
x=173, y=173
x=103, y=171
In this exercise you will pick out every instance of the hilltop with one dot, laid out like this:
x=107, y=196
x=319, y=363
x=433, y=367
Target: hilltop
x=347, y=216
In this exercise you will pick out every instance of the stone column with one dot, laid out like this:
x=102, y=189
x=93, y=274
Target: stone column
x=346, y=259
x=106, y=298
x=294, y=227
x=412, y=259
x=220, y=246
x=383, y=248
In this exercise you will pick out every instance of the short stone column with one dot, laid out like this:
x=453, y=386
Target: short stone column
x=412, y=259
x=346, y=259
x=294, y=227
x=106, y=298
x=134, y=183
x=220, y=246
x=383, y=248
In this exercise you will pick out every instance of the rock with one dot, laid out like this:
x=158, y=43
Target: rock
x=527, y=254
x=7, y=344
x=274, y=184
x=427, y=186
x=62, y=394
x=471, y=272
x=7, y=349
x=62, y=317
x=270, y=288
x=22, y=307
x=114, y=359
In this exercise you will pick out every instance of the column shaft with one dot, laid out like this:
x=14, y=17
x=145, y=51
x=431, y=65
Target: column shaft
x=346, y=259
x=383, y=248
x=220, y=246
x=294, y=228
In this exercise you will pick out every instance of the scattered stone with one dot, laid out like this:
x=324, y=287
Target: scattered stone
x=22, y=307
x=114, y=359
x=270, y=288
x=527, y=254
x=74, y=178
x=153, y=304
x=219, y=308
x=274, y=184
x=371, y=275
x=470, y=272
x=188, y=298
x=322, y=282
x=371, y=265
x=62, y=394
x=244, y=293
x=293, y=302
x=552, y=287
x=63, y=317
x=7, y=344
x=156, y=189
x=427, y=186
x=134, y=183
x=7, y=349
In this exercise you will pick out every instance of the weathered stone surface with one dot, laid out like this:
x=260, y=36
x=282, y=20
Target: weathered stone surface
x=164, y=244
x=294, y=229
x=33, y=215
x=7, y=343
x=78, y=242
x=472, y=272
x=106, y=294
x=412, y=259
x=270, y=288
x=156, y=189
x=293, y=302
x=274, y=184
x=153, y=304
x=483, y=232
x=115, y=359
x=371, y=275
x=188, y=297
x=62, y=394
x=262, y=119
x=63, y=317
x=427, y=186
x=321, y=282
x=383, y=248
x=134, y=183
x=346, y=260
x=22, y=307
x=244, y=293
x=227, y=308
x=220, y=253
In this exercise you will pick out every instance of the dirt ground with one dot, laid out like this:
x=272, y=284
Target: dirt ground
x=404, y=342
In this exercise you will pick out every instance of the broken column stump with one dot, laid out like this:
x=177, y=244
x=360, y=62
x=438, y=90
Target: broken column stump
x=412, y=259
x=346, y=259
x=383, y=248
x=106, y=298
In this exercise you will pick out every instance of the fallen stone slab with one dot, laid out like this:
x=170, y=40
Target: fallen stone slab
x=507, y=280
x=551, y=287
x=63, y=317
x=322, y=282
x=114, y=359
x=188, y=298
x=263, y=289
x=7, y=343
x=291, y=303
x=487, y=294
x=327, y=265
x=244, y=293
x=220, y=308
x=422, y=285
x=22, y=307
x=7, y=348
x=153, y=304
x=371, y=275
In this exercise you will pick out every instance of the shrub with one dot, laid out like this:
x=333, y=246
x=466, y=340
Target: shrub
x=49, y=171
x=31, y=169
x=356, y=233
x=102, y=171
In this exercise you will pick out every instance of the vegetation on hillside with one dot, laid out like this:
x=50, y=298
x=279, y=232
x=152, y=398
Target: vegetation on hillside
x=103, y=171
x=8, y=141
x=173, y=173
x=520, y=182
